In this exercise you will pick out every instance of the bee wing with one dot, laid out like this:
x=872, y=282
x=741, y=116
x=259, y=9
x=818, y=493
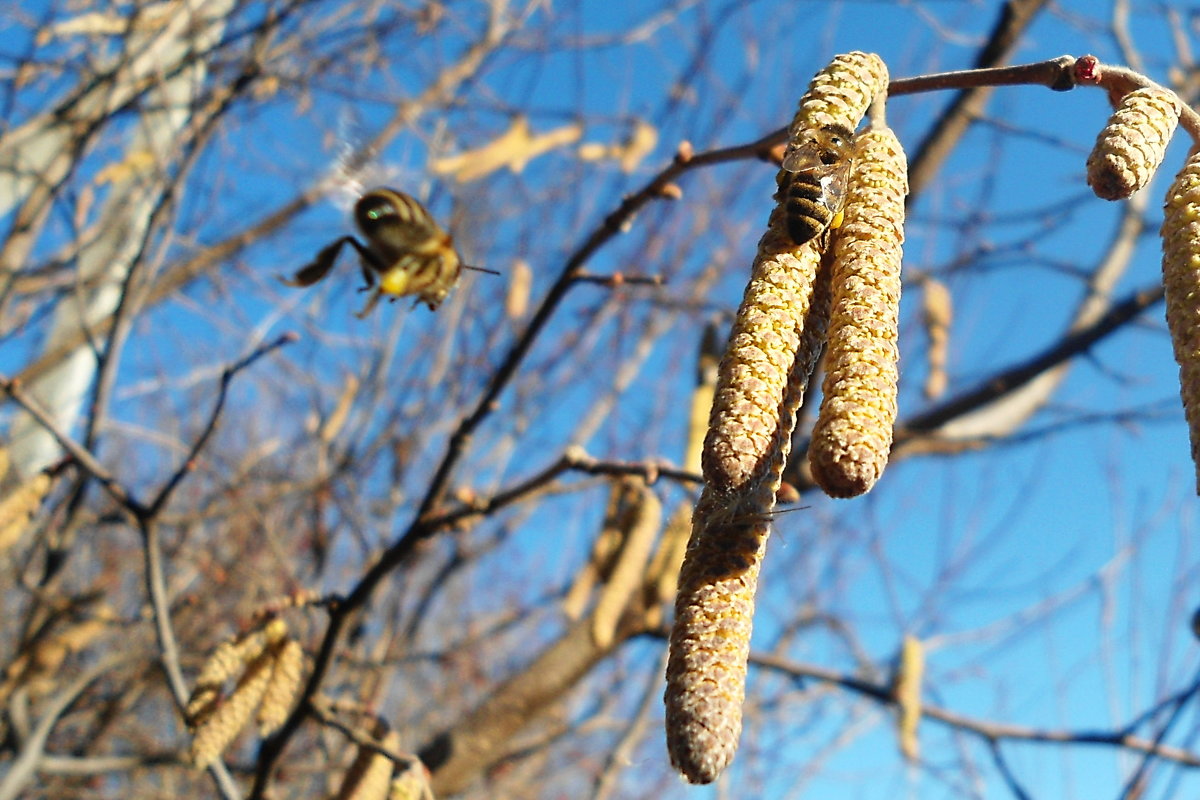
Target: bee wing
x=319, y=268
x=834, y=184
x=801, y=159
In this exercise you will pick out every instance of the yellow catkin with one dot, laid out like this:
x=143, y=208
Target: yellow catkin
x=600, y=562
x=1132, y=144
x=853, y=433
x=937, y=314
x=714, y=607
x=841, y=93
x=225, y=662
x=908, y=695
x=1181, y=281
x=370, y=776
x=411, y=784
x=753, y=376
x=702, y=396
x=282, y=689
x=224, y=724
x=19, y=506
x=750, y=382
x=760, y=383
x=641, y=521
x=222, y=665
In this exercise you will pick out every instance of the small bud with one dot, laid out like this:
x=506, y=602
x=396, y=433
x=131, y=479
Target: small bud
x=671, y=191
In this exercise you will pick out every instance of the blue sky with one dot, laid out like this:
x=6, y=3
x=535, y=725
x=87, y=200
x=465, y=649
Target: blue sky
x=1095, y=522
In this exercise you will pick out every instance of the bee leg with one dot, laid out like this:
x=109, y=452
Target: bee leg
x=320, y=266
x=371, y=301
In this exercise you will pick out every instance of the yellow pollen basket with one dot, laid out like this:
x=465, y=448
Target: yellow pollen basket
x=394, y=281
x=837, y=220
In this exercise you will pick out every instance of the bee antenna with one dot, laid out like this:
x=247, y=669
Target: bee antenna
x=481, y=269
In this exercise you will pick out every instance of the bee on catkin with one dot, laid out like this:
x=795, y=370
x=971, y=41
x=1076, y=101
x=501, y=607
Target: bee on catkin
x=1181, y=282
x=813, y=181
x=1133, y=143
x=853, y=433
x=760, y=384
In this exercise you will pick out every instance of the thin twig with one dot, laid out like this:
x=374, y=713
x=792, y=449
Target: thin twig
x=1139, y=777
x=991, y=731
x=402, y=760
x=22, y=769
x=1006, y=772
x=1071, y=345
x=14, y=389
x=189, y=463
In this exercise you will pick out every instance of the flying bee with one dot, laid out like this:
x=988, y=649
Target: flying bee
x=406, y=251
x=818, y=166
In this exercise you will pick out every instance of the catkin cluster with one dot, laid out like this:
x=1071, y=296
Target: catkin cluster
x=853, y=434
x=744, y=422
x=1133, y=143
x=776, y=338
x=271, y=663
x=1181, y=282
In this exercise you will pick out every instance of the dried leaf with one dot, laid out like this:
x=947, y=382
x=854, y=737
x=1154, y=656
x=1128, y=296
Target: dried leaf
x=629, y=153
x=515, y=148
x=19, y=506
x=341, y=411
x=938, y=313
x=641, y=518
x=908, y=695
x=520, y=281
x=600, y=562
x=135, y=163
